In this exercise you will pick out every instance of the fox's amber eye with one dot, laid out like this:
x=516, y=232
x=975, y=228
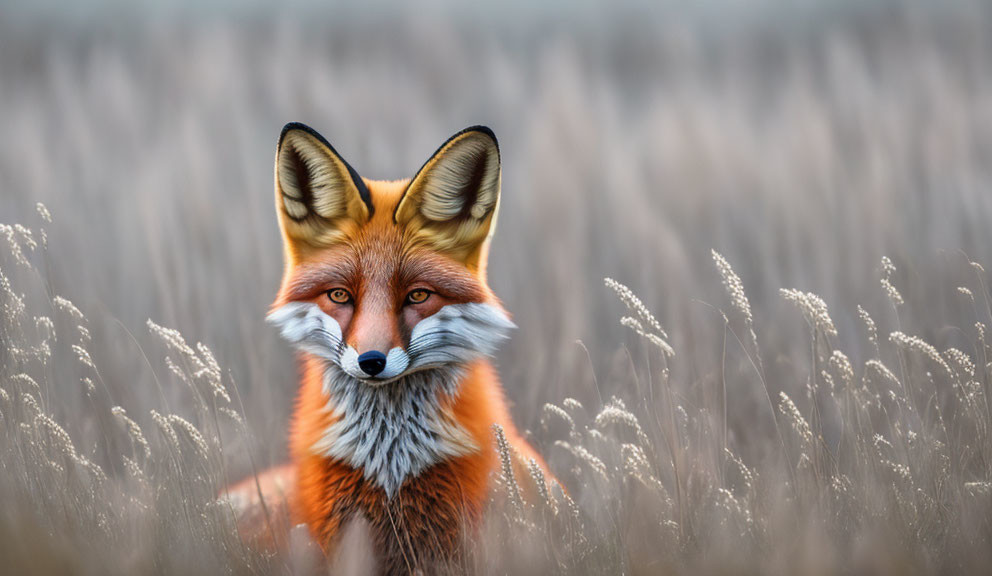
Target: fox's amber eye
x=339, y=296
x=417, y=296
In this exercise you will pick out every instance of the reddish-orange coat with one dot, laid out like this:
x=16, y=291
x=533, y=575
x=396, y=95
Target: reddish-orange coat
x=431, y=513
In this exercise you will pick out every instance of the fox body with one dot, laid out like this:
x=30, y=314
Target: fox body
x=384, y=294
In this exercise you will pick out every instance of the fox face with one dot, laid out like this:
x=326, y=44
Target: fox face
x=385, y=283
x=387, y=280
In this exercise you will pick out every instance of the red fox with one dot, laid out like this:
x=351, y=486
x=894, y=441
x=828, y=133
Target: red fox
x=384, y=294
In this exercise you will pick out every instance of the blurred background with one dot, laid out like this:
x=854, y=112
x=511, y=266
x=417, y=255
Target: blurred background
x=802, y=140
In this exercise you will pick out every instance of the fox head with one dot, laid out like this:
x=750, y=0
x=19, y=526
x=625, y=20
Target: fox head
x=386, y=279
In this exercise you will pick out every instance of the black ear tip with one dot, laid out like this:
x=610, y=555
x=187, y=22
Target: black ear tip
x=299, y=126
x=289, y=127
x=482, y=130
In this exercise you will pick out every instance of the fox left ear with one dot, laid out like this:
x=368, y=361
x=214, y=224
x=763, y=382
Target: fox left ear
x=451, y=203
x=319, y=197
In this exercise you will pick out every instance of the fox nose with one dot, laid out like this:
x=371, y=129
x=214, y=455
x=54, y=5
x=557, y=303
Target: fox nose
x=372, y=362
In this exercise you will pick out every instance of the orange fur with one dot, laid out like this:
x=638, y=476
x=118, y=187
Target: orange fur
x=427, y=518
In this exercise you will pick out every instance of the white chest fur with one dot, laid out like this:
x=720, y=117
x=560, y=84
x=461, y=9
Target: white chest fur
x=393, y=431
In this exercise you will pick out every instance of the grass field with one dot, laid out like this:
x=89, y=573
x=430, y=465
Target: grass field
x=801, y=199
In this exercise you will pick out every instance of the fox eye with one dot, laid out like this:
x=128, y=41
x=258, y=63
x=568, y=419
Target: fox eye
x=418, y=296
x=339, y=296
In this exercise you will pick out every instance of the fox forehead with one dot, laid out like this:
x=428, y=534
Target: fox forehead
x=380, y=256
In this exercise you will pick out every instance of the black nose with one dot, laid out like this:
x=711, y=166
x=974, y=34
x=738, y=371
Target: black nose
x=372, y=362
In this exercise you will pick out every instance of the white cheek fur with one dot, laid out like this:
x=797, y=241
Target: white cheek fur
x=455, y=334
x=307, y=327
x=458, y=333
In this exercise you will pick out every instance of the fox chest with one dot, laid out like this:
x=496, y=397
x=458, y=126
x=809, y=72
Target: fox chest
x=427, y=518
x=393, y=458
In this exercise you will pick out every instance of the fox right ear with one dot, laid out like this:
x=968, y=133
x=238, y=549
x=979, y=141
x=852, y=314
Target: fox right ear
x=451, y=203
x=319, y=197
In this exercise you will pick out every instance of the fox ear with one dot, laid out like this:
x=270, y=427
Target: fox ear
x=451, y=203
x=319, y=197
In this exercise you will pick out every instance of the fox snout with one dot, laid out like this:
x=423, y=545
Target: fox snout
x=374, y=347
x=374, y=365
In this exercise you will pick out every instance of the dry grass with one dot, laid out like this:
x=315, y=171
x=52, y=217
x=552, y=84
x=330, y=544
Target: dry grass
x=838, y=425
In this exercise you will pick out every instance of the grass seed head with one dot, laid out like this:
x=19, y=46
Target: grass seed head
x=814, y=309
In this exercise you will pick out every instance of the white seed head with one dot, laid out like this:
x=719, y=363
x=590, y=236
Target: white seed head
x=920, y=346
x=133, y=430
x=83, y=356
x=16, y=251
x=616, y=414
x=788, y=408
x=66, y=305
x=551, y=411
x=43, y=212
x=573, y=405
x=734, y=287
x=165, y=427
x=888, y=268
x=634, y=304
x=978, y=488
x=583, y=455
x=962, y=363
x=814, y=309
x=842, y=367
x=507, y=475
x=26, y=382
x=232, y=414
x=194, y=435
